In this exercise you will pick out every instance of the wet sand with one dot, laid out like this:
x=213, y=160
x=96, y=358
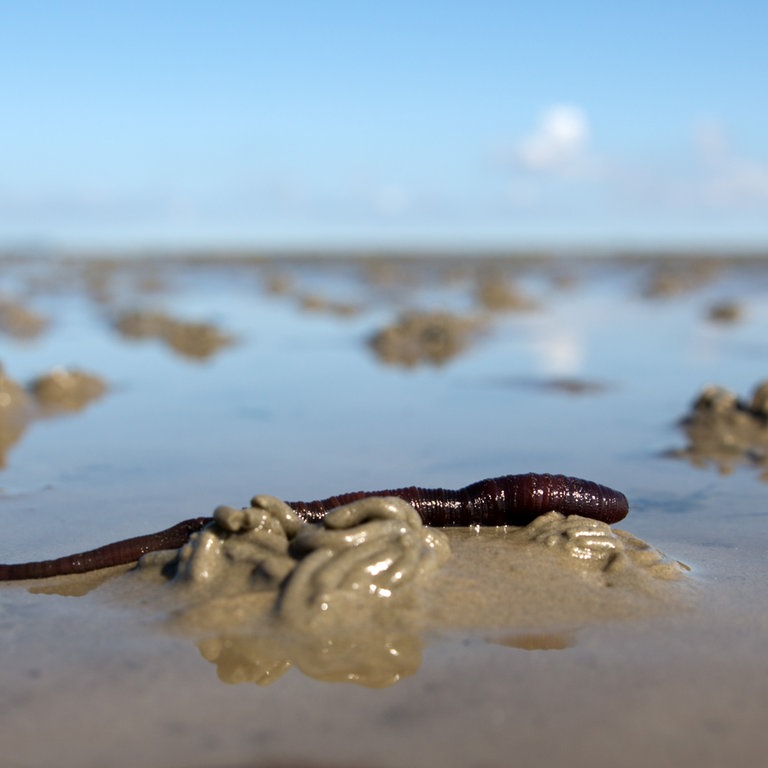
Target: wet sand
x=507, y=653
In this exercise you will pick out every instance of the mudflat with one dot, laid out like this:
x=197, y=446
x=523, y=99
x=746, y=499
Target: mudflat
x=137, y=392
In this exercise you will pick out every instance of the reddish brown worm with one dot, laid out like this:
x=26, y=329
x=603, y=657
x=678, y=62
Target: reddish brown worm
x=507, y=500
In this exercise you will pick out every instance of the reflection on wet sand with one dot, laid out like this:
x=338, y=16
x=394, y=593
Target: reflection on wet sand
x=315, y=302
x=725, y=431
x=371, y=657
x=424, y=337
x=496, y=293
x=59, y=391
x=191, y=340
x=536, y=641
x=726, y=312
x=673, y=277
x=16, y=409
x=569, y=385
x=19, y=321
x=63, y=390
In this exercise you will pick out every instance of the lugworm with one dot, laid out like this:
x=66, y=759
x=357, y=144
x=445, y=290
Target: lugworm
x=506, y=500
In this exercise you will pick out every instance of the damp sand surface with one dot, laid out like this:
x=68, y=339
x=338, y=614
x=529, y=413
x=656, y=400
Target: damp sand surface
x=511, y=656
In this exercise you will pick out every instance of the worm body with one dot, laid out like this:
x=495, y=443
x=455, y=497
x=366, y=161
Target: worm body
x=506, y=500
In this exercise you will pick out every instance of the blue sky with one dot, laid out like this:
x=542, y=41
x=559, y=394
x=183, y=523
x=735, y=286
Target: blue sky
x=397, y=124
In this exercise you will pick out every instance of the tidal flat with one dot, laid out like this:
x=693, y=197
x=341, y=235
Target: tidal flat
x=139, y=391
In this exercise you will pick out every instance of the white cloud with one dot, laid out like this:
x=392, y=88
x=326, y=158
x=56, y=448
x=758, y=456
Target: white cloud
x=710, y=140
x=706, y=178
x=395, y=200
x=555, y=172
x=559, y=351
x=728, y=179
x=559, y=141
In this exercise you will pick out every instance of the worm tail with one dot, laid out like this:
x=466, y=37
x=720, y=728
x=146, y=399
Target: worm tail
x=118, y=553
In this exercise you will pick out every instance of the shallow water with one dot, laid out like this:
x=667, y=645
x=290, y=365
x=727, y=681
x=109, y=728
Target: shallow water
x=588, y=377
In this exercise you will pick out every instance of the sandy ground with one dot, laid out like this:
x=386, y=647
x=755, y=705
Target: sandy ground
x=511, y=651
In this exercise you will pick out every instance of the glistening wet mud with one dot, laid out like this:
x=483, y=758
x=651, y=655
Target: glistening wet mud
x=577, y=366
